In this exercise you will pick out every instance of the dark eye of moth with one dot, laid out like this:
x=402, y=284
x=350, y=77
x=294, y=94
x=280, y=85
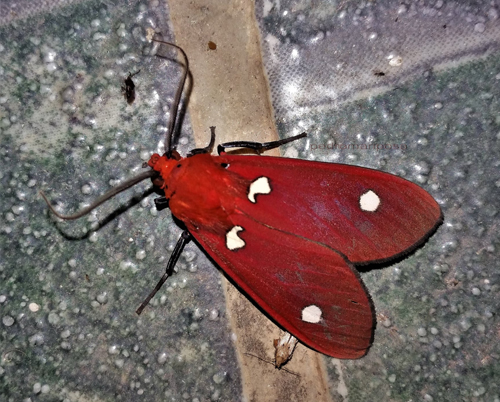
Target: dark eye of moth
x=225, y=165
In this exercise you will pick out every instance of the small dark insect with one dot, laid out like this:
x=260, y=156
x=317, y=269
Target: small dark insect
x=379, y=73
x=128, y=90
x=212, y=45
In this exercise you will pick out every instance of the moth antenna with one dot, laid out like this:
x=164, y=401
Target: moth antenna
x=103, y=198
x=174, y=109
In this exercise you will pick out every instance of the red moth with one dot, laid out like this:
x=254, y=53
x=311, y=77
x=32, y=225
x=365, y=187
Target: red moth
x=289, y=232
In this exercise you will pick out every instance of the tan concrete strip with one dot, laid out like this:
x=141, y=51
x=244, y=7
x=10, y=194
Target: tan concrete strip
x=230, y=89
x=231, y=92
x=302, y=379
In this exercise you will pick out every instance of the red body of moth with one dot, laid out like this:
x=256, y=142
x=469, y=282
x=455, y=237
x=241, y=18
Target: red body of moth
x=289, y=233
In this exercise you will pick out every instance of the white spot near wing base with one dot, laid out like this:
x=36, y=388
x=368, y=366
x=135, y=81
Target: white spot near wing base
x=258, y=186
x=311, y=314
x=369, y=201
x=233, y=241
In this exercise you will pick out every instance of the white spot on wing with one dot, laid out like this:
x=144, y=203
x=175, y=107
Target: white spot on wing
x=233, y=241
x=369, y=201
x=311, y=314
x=258, y=186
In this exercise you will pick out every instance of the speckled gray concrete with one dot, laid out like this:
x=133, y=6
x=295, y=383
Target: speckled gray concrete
x=420, y=83
x=68, y=291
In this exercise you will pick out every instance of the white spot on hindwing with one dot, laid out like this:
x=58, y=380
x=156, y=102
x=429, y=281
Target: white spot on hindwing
x=233, y=241
x=311, y=314
x=369, y=201
x=258, y=186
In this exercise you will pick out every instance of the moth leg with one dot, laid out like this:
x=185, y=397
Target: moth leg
x=161, y=203
x=132, y=75
x=259, y=147
x=183, y=240
x=208, y=148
